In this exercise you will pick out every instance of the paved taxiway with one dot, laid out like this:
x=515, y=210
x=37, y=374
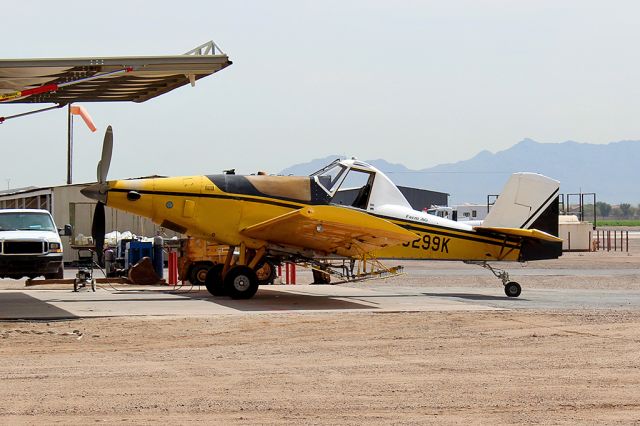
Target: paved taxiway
x=577, y=281
x=158, y=301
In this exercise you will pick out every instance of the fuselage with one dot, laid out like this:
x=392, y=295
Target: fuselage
x=219, y=207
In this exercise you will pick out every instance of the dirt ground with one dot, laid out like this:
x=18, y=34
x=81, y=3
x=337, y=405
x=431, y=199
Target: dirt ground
x=497, y=367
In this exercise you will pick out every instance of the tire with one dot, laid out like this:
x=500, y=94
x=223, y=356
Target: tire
x=266, y=272
x=93, y=285
x=512, y=289
x=198, y=273
x=213, y=280
x=241, y=282
x=76, y=284
x=56, y=275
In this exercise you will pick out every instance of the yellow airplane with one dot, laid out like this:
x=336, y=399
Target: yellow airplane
x=270, y=219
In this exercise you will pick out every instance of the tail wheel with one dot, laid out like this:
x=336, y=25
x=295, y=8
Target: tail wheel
x=241, y=282
x=213, y=280
x=512, y=289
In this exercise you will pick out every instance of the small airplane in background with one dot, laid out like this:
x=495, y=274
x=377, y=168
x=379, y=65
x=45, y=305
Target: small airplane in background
x=265, y=220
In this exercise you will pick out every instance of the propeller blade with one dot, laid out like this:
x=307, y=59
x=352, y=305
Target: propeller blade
x=105, y=160
x=99, y=172
x=98, y=230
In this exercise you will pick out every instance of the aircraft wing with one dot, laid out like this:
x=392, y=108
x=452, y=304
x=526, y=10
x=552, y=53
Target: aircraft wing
x=330, y=229
x=517, y=232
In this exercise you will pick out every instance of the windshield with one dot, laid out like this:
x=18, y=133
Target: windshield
x=330, y=175
x=26, y=222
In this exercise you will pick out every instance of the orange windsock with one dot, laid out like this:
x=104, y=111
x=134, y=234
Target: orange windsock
x=79, y=110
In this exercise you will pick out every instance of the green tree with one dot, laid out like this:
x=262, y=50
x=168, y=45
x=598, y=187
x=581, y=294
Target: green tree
x=604, y=209
x=625, y=208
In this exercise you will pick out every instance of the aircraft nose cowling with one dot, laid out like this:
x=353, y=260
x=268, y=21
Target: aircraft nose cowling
x=97, y=191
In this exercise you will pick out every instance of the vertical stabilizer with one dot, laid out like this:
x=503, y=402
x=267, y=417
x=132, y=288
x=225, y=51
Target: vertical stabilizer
x=528, y=201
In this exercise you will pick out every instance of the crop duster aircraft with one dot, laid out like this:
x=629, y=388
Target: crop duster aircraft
x=269, y=219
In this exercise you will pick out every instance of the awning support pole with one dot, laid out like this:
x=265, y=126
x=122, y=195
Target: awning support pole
x=69, y=145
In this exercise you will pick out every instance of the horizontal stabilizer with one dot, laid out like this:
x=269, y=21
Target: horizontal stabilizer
x=517, y=232
x=330, y=229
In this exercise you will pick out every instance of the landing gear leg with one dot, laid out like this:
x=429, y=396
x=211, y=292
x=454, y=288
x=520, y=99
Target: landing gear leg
x=511, y=288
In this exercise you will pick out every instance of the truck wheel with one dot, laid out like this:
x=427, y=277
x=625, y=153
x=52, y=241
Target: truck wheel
x=56, y=275
x=198, y=273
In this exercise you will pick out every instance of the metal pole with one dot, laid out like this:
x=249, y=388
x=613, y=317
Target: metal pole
x=69, y=145
x=595, y=212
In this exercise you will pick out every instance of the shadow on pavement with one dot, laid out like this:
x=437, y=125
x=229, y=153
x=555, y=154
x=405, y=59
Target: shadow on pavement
x=471, y=296
x=273, y=300
x=18, y=306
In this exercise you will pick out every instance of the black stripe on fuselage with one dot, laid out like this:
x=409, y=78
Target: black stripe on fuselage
x=446, y=232
x=227, y=196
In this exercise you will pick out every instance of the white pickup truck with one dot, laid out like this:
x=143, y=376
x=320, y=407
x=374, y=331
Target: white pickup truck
x=30, y=244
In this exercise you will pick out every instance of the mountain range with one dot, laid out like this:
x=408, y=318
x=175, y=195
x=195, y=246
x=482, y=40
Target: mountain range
x=610, y=170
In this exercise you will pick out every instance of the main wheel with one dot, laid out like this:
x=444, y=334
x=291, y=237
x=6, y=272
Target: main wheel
x=512, y=289
x=198, y=273
x=241, y=282
x=213, y=280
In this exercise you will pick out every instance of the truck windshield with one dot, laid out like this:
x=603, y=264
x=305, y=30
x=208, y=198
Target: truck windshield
x=26, y=222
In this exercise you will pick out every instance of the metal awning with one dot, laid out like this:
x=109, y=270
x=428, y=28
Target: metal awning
x=108, y=79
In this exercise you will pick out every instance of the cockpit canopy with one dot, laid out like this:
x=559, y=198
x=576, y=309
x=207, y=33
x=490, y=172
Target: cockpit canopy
x=357, y=184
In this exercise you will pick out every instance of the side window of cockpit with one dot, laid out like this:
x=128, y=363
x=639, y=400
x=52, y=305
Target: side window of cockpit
x=355, y=189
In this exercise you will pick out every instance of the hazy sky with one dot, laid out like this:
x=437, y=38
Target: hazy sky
x=413, y=82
